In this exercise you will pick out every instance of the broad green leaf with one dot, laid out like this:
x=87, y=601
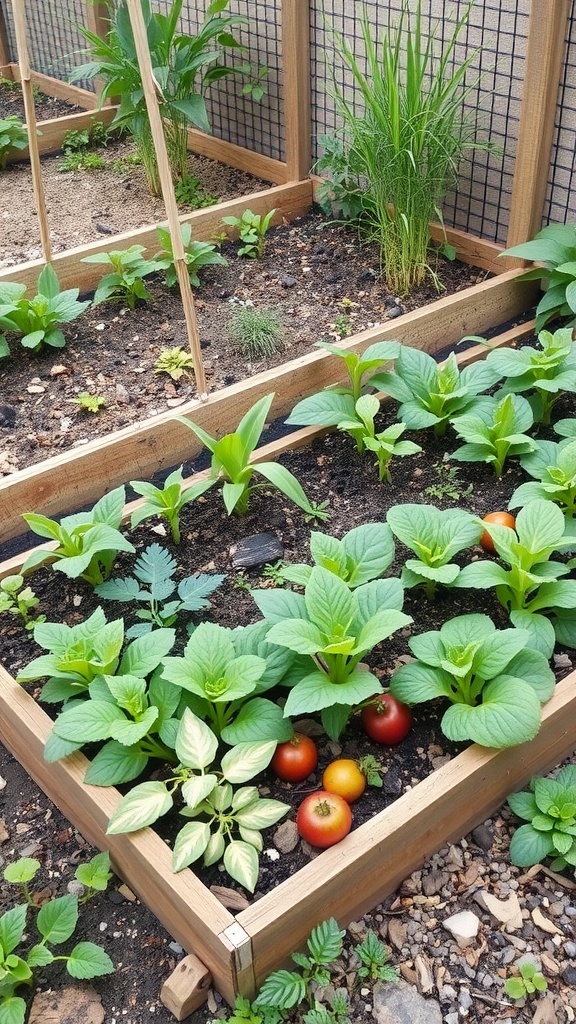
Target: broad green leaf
x=282, y=990
x=22, y=870
x=129, y=733
x=57, y=919
x=142, y=806
x=329, y=603
x=241, y=863
x=261, y=813
x=528, y=846
x=327, y=408
x=279, y=605
x=190, y=843
x=258, y=719
x=523, y=805
x=315, y=692
x=88, y=722
x=415, y=683
x=89, y=961
x=299, y=635
x=96, y=873
x=13, y=924
x=508, y=715
x=196, y=744
x=244, y=761
x=12, y=1010
x=145, y=653
x=197, y=788
x=115, y=764
x=39, y=956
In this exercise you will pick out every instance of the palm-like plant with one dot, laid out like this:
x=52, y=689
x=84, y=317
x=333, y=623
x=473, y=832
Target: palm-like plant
x=184, y=67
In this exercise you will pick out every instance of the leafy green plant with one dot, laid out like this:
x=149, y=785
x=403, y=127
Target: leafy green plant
x=553, y=467
x=175, y=362
x=189, y=192
x=283, y=990
x=385, y=443
x=232, y=468
x=89, y=402
x=184, y=67
x=547, y=372
x=448, y=484
x=493, y=679
x=329, y=407
x=153, y=585
x=431, y=394
x=122, y=164
x=55, y=923
x=434, y=536
x=126, y=282
x=375, y=957
x=257, y=331
x=363, y=554
x=342, y=325
x=36, y=321
x=554, y=247
x=76, y=141
x=333, y=628
x=13, y=135
x=81, y=161
x=338, y=193
x=549, y=808
x=86, y=543
x=167, y=501
x=252, y=228
x=255, y=87
x=405, y=135
x=494, y=430
x=224, y=673
x=18, y=600
x=196, y=256
x=530, y=980
x=220, y=812
x=532, y=588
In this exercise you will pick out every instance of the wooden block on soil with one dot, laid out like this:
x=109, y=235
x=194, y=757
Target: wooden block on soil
x=187, y=987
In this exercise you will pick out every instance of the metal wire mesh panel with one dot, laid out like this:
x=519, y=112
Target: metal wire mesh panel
x=561, y=193
x=497, y=29
x=259, y=126
x=55, y=42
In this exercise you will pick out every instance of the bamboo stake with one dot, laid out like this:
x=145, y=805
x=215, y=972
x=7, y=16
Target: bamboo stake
x=148, y=84
x=25, y=78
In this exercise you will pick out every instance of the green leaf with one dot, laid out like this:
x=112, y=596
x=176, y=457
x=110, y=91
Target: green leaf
x=88, y=722
x=325, y=942
x=142, y=806
x=241, y=863
x=197, y=788
x=329, y=603
x=12, y=926
x=261, y=813
x=282, y=990
x=96, y=873
x=508, y=715
x=327, y=408
x=258, y=719
x=244, y=761
x=523, y=805
x=145, y=653
x=315, y=692
x=89, y=961
x=196, y=744
x=39, y=956
x=190, y=844
x=115, y=764
x=12, y=1010
x=22, y=870
x=57, y=919
x=528, y=846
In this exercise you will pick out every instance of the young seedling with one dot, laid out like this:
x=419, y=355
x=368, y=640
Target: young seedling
x=189, y=192
x=363, y=554
x=18, y=600
x=196, y=256
x=385, y=444
x=258, y=332
x=495, y=430
x=167, y=501
x=530, y=980
x=549, y=808
x=89, y=402
x=283, y=990
x=231, y=466
x=545, y=372
x=434, y=536
x=554, y=248
x=553, y=467
x=375, y=957
x=36, y=321
x=13, y=135
x=252, y=228
x=126, y=282
x=448, y=485
x=155, y=569
x=175, y=362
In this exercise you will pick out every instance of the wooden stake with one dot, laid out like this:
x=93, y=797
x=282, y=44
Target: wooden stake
x=145, y=65
x=296, y=84
x=24, y=65
x=545, y=52
x=98, y=21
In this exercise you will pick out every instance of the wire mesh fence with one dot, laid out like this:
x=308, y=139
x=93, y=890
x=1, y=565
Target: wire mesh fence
x=497, y=30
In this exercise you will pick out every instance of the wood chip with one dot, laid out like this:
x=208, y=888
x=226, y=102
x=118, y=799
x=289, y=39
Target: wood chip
x=4, y=834
x=397, y=932
x=127, y=893
x=544, y=922
x=229, y=898
x=424, y=976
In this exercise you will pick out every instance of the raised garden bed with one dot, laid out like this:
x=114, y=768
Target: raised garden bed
x=347, y=879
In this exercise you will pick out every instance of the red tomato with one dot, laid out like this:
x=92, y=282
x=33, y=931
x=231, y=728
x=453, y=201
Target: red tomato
x=323, y=819
x=296, y=759
x=345, y=778
x=501, y=519
x=386, y=720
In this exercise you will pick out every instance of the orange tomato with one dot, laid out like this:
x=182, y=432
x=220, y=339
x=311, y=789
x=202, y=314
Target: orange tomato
x=500, y=519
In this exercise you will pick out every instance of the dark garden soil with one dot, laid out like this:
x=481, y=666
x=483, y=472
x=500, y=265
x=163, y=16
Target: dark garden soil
x=46, y=107
x=329, y=469
x=316, y=277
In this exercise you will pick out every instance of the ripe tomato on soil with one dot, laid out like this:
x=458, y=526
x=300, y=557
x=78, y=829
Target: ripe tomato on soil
x=500, y=519
x=295, y=759
x=345, y=778
x=386, y=720
x=323, y=819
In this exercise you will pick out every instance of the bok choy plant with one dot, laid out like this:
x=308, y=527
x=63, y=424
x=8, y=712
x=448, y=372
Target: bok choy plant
x=434, y=536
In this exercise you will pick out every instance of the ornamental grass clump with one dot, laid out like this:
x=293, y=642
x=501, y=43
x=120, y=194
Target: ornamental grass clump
x=405, y=134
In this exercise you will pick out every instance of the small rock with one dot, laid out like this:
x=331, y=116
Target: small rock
x=287, y=281
x=75, y=887
x=58, y=369
x=176, y=948
x=508, y=912
x=4, y=834
x=72, y=1003
x=2, y=784
x=570, y=950
x=394, y=312
x=400, y=1003
x=483, y=837
x=569, y=976
x=463, y=927
x=424, y=977
x=258, y=549
x=549, y=1010
x=397, y=932
x=35, y=389
x=122, y=397
x=434, y=882
x=105, y=229
x=544, y=922
x=127, y=893
x=286, y=837
x=562, y=661
x=173, y=402
x=7, y=416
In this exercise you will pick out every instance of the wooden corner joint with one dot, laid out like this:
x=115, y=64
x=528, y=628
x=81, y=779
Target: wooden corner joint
x=187, y=987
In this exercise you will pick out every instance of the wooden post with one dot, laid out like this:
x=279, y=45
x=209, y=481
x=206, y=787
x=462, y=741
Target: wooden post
x=148, y=84
x=4, y=43
x=297, y=94
x=98, y=21
x=544, y=56
x=24, y=64
x=187, y=987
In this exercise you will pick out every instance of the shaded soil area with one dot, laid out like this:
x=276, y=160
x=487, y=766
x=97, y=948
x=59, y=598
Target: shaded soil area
x=317, y=279
x=46, y=107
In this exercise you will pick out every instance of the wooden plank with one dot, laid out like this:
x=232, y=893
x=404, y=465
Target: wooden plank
x=290, y=442
x=53, y=130
x=289, y=201
x=189, y=911
x=60, y=90
x=6, y=70
x=4, y=42
x=359, y=872
x=544, y=56
x=237, y=156
x=74, y=478
x=296, y=88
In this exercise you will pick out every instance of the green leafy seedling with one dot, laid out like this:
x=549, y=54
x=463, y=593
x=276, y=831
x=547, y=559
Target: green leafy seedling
x=18, y=600
x=549, y=808
x=196, y=255
x=89, y=402
x=375, y=957
x=495, y=430
x=126, y=282
x=36, y=321
x=167, y=501
x=530, y=980
x=252, y=229
x=13, y=135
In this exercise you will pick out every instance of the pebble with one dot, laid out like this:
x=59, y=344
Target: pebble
x=570, y=950
x=286, y=837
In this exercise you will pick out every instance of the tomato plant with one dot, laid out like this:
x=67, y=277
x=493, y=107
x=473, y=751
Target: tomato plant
x=346, y=778
x=323, y=819
x=296, y=759
x=386, y=720
x=500, y=519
